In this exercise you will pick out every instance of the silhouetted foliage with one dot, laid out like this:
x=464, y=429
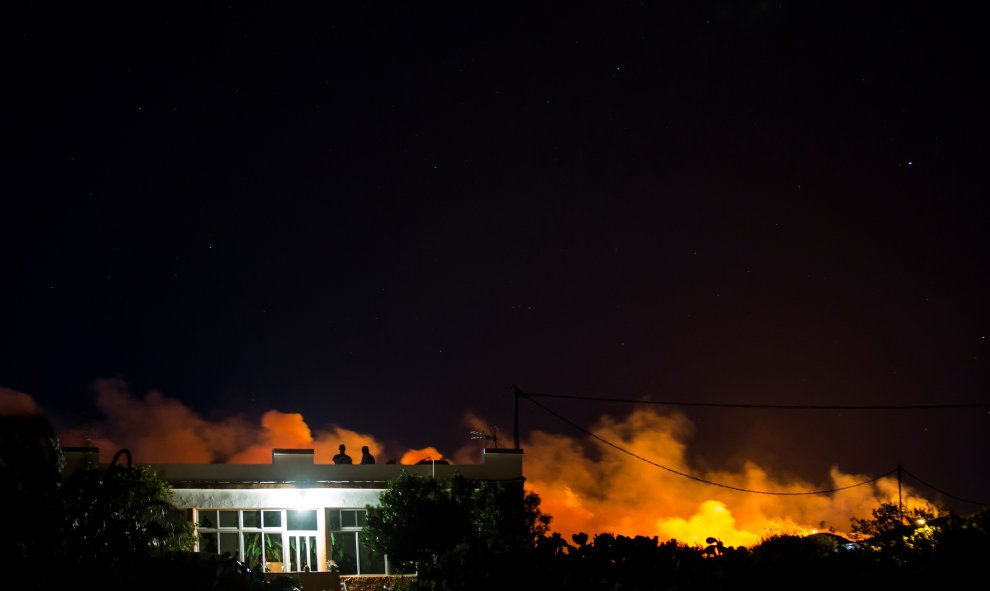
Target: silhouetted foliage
x=473, y=554
x=888, y=518
x=112, y=528
x=120, y=513
x=30, y=472
x=457, y=533
x=109, y=527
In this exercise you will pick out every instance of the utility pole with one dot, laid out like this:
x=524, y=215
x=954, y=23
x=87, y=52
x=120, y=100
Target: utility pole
x=516, y=393
x=900, y=501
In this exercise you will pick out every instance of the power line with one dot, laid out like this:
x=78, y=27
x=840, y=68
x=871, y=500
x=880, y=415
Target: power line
x=938, y=490
x=696, y=478
x=776, y=406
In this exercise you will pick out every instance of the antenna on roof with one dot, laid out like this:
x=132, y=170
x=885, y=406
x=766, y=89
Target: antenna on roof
x=493, y=436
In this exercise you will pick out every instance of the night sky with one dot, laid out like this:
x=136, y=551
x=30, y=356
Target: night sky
x=383, y=215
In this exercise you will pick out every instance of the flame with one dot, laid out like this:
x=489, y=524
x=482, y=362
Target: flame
x=590, y=487
x=584, y=484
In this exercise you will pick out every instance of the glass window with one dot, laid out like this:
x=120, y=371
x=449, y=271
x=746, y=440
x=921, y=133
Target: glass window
x=346, y=545
x=230, y=543
x=228, y=518
x=300, y=520
x=257, y=536
x=208, y=543
x=207, y=518
x=343, y=550
x=251, y=518
x=273, y=547
x=372, y=563
x=348, y=519
x=252, y=549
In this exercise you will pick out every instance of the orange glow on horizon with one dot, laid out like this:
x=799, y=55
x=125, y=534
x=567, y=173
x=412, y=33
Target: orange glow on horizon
x=622, y=495
x=586, y=486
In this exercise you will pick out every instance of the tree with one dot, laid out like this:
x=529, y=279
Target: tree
x=109, y=527
x=457, y=533
x=30, y=473
x=121, y=512
x=888, y=519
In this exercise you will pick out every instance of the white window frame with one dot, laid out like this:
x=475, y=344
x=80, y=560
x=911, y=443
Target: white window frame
x=282, y=531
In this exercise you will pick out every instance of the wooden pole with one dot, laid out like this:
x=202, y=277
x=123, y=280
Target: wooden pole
x=900, y=501
x=515, y=417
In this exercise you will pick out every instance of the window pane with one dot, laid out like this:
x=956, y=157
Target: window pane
x=343, y=551
x=273, y=550
x=372, y=563
x=229, y=544
x=333, y=519
x=228, y=519
x=294, y=555
x=207, y=518
x=272, y=518
x=208, y=543
x=362, y=518
x=252, y=518
x=348, y=518
x=252, y=549
x=301, y=520
x=309, y=550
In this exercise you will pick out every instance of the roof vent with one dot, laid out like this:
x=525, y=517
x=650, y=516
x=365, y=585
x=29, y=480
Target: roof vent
x=292, y=457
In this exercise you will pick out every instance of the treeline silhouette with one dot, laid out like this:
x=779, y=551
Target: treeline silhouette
x=492, y=536
x=949, y=552
x=110, y=528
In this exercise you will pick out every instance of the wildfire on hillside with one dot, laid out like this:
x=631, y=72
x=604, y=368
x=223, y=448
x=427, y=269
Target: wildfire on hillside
x=623, y=495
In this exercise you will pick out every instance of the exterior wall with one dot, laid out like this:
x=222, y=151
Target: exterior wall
x=296, y=468
x=494, y=468
x=294, y=481
x=281, y=498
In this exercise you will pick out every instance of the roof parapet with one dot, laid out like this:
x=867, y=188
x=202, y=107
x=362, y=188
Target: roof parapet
x=503, y=458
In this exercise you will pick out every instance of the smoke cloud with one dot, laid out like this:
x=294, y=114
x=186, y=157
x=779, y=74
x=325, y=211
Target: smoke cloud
x=591, y=487
x=13, y=403
x=586, y=485
x=161, y=430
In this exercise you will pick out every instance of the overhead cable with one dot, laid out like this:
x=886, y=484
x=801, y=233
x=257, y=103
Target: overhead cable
x=940, y=491
x=697, y=478
x=777, y=406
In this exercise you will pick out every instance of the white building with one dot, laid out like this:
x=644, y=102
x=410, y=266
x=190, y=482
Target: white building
x=305, y=515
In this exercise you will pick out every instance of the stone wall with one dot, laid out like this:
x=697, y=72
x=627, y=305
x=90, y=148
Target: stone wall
x=372, y=583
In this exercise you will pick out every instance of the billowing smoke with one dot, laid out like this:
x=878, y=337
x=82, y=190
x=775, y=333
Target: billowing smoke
x=585, y=484
x=589, y=486
x=161, y=430
x=13, y=403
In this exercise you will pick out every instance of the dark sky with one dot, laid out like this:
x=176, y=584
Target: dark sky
x=385, y=214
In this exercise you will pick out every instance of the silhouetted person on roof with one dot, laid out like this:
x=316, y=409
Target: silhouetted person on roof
x=342, y=458
x=366, y=457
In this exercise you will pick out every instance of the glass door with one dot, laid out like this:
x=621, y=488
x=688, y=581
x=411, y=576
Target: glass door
x=302, y=553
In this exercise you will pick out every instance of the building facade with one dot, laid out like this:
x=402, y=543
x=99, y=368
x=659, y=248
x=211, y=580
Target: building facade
x=295, y=515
